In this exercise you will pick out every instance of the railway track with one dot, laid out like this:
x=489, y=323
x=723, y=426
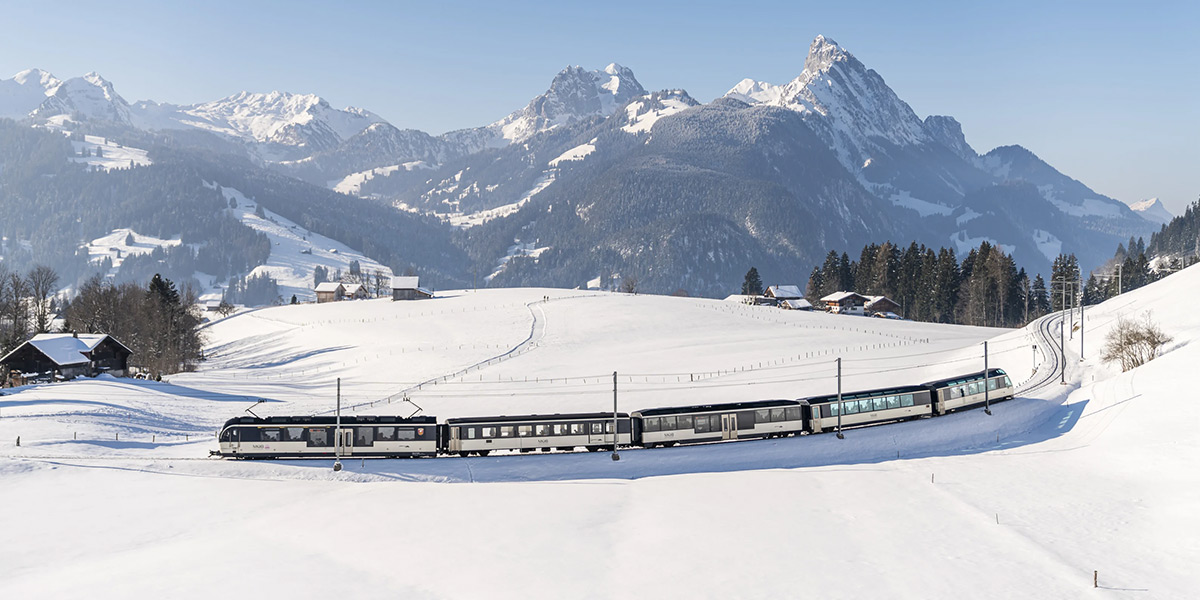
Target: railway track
x=1051, y=368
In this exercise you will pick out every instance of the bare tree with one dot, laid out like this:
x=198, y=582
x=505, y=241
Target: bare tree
x=42, y=283
x=629, y=284
x=16, y=305
x=381, y=284
x=1134, y=342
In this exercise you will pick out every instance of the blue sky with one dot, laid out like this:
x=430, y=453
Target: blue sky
x=1108, y=93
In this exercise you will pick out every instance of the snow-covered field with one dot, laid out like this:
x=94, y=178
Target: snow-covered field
x=1098, y=475
x=102, y=153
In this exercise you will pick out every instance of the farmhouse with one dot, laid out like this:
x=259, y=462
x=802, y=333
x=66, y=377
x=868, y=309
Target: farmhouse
x=330, y=291
x=796, y=304
x=784, y=292
x=408, y=288
x=59, y=356
x=356, y=291
x=845, y=303
x=880, y=304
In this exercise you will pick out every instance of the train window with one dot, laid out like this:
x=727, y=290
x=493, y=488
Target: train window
x=487, y=432
x=893, y=401
x=879, y=403
x=318, y=437
x=524, y=430
x=777, y=414
x=364, y=436
x=906, y=400
x=960, y=391
x=560, y=429
x=762, y=415
x=685, y=422
x=270, y=435
x=406, y=433
x=701, y=424
x=385, y=434
x=833, y=409
x=1007, y=381
x=864, y=405
x=608, y=426
x=714, y=423
x=650, y=423
x=850, y=408
x=542, y=429
x=668, y=423
x=293, y=434
x=991, y=384
x=792, y=413
x=506, y=431
x=578, y=429
x=472, y=432
x=597, y=427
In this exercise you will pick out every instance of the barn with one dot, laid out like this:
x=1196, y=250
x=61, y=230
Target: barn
x=61, y=356
x=330, y=291
x=409, y=288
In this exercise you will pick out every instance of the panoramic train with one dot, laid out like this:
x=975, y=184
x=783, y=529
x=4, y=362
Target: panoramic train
x=399, y=437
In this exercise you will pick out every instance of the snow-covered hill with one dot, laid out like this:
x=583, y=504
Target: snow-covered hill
x=1062, y=482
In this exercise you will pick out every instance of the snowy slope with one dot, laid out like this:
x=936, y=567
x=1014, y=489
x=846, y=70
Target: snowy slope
x=26, y=91
x=104, y=154
x=1094, y=476
x=295, y=251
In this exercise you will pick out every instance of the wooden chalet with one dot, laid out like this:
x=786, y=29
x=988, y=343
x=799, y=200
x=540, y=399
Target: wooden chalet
x=409, y=288
x=330, y=291
x=784, y=292
x=845, y=303
x=356, y=291
x=62, y=356
x=881, y=304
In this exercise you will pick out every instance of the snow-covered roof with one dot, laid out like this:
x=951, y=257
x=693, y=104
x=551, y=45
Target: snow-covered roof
x=352, y=288
x=408, y=282
x=329, y=286
x=797, y=304
x=874, y=299
x=784, y=291
x=839, y=296
x=64, y=348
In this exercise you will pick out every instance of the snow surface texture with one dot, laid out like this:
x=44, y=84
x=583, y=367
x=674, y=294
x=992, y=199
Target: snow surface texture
x=1098, y=475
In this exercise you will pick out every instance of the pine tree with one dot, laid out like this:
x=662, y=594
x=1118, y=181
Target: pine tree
x=752, y=285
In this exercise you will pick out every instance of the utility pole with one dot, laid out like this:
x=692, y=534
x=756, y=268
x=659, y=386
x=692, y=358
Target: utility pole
x=987, y=407
x=1035, y=365
x=615, y=456
x=1081, y=318
x=337, y=430
x=1120, y=267
x=840, y=406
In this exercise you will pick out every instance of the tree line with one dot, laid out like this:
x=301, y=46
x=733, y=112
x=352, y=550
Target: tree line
x=986, y=288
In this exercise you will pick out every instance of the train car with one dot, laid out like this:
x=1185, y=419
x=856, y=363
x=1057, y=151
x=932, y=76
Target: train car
x=717, y=422
x=966, y=391
x=311, y=437
x=526, y=433
x=868, y=407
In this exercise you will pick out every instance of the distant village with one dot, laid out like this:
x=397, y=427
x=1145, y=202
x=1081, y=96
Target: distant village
x=789, y=297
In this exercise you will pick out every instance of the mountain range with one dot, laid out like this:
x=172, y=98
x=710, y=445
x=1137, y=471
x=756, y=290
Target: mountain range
x=598, y=176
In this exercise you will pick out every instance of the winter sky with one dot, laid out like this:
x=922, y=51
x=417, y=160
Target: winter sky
x=1104, y=91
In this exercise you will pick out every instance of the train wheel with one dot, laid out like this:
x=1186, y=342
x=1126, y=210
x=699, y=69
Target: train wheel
x=484, y=452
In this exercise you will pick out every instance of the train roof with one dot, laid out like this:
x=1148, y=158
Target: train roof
x=323, y=420
x=867, y=394
x=518, y=418
x=676, y=410
x=964, y=378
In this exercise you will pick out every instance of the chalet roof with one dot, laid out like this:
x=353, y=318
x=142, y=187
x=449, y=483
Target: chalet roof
x=874, y=299
x=797, y=304
x=352, y=288
x=408, y=282
x=783, y=292
x=330, y=286
x=65, y=349
x=839, y=296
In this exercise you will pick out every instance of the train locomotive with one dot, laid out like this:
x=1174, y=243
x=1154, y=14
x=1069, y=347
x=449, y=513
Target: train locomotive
x=423, y=436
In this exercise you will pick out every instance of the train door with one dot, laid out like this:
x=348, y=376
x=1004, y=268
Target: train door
x=729, y=429
x=596, y=433
x=345, y=441
x=235, y=440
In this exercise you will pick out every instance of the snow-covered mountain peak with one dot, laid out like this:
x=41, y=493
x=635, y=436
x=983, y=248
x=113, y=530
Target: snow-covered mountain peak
x=756, y=92
x=948, y=131
x=824, y=53
x=38, y=77
x=1152, y=210
x=22, y=94
x=90, y=97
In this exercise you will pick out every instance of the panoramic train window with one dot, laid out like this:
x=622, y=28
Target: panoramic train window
x=701, y=424
x=385, y=434
x=293, y=434
x=762, y=415
x=667, y=423
x=685, y=422
x=405, y=433
x=991, y=384
x=318, y=437
x=364, y=436
x=777, y=414
x=650, y=423
x=506, y=431
x=270, y=435
x=542, y=429
x=524, y=430
x=906, y=400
